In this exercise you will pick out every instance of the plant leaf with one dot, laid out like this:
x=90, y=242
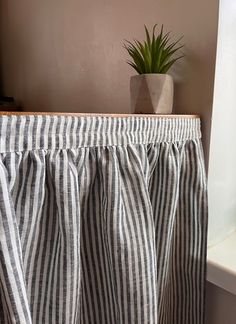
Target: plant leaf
x=147, y=35
x=135, y=67
x=167, y=66
x=156, y=54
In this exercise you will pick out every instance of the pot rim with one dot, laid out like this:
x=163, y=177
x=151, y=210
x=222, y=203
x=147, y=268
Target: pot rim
x=146, y=74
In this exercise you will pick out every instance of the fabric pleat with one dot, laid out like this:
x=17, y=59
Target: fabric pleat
x=103, y=220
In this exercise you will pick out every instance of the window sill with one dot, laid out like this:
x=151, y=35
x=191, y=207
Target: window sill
x=221, y=264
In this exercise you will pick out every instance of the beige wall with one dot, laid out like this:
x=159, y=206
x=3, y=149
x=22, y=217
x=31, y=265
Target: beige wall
x=68, y=55
x=220, y=306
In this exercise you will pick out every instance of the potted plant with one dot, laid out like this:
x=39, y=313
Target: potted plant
x=152, y=90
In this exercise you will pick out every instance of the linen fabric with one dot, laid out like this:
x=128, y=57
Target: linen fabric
x=103, y=220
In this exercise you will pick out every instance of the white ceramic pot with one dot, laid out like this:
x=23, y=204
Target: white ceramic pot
x=152, y=93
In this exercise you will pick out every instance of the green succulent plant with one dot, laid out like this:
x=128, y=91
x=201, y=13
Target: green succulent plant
x=156, y=54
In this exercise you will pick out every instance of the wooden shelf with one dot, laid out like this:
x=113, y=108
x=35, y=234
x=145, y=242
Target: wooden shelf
x=26, y=113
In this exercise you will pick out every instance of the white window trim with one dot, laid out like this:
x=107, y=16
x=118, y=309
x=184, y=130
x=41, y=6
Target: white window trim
x=221, y=264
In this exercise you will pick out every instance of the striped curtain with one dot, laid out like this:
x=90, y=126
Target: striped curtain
x=103, y=220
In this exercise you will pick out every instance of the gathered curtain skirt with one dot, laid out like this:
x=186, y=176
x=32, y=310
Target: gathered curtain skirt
x=103, y=220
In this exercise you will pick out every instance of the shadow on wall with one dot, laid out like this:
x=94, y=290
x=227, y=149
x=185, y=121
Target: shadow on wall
x=193, y=79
